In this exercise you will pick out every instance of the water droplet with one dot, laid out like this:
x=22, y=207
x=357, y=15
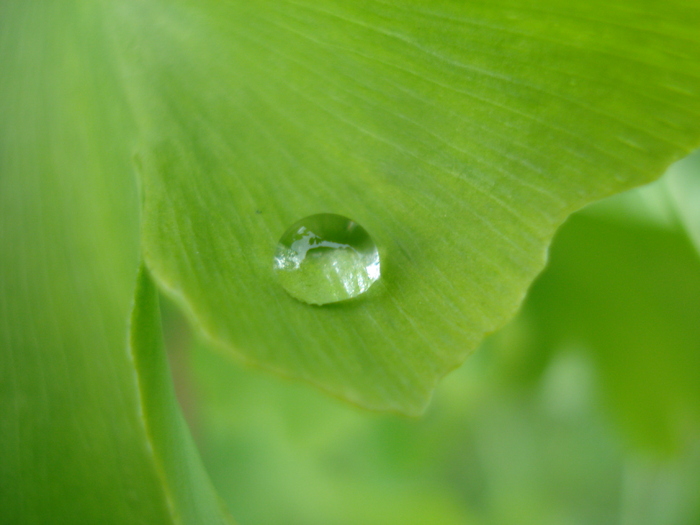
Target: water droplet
x=326, y=258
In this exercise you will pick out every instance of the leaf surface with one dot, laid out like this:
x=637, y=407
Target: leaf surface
x=459, y=134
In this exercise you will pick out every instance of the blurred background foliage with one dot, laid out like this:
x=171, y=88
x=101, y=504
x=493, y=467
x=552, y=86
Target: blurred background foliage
x=584, y=409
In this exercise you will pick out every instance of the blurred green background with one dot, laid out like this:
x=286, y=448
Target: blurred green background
x=585, y=409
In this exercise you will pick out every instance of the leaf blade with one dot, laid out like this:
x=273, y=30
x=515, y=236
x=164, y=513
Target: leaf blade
x=460, y=136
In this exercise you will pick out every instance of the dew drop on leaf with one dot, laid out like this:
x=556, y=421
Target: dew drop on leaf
x=326, y=258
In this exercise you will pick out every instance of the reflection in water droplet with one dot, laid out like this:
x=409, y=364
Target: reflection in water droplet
x=326, y=258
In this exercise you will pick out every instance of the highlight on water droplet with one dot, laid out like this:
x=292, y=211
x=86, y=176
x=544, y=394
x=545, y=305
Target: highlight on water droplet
x=326, y=258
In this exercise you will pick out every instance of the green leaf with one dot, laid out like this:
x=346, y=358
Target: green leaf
x=82, y=430
x=186, y=487
x=459, y=134
x=627, y=294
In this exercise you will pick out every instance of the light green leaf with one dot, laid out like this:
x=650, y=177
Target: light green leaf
x=683, y=184
x=459, y=134
x=81, y=429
